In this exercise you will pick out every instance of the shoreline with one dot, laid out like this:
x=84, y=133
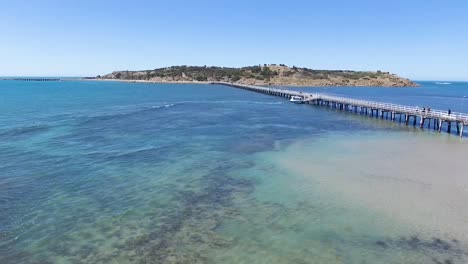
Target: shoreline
x=270, y=85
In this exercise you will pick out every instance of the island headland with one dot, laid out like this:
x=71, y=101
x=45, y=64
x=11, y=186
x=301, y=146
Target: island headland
x=271, y=74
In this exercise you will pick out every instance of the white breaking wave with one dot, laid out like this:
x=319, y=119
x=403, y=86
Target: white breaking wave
x=444, y=83
x=161, y=106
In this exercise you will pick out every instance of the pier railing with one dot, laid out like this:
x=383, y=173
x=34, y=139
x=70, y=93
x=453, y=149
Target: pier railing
x=427, y=113
x=438, y=116
x=403, y=109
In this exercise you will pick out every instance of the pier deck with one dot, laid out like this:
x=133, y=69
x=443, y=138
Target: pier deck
x=383, y=110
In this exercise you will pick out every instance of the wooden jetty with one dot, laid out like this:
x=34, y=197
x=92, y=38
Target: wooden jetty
x=407, y=114
x=31, y=79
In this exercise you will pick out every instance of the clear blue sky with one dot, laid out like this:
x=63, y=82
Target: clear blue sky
x=422, y=40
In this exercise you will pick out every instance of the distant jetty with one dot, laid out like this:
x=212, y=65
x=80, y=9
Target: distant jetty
x=32, y=79
x=271, y=74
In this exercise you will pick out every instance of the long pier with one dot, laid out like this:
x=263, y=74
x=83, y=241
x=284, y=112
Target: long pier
x=31, y=79
x=407, y=114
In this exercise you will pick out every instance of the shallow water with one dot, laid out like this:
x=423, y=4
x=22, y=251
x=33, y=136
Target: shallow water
x=108, y=172
x=382, y=200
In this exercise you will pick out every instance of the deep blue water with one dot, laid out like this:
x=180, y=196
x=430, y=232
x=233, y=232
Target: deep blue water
x=118, y=172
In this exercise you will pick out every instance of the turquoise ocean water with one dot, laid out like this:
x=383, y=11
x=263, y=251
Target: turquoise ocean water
x=112, y=172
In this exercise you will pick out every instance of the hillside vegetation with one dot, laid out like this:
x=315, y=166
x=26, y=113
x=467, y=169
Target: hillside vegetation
x=263, y=75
